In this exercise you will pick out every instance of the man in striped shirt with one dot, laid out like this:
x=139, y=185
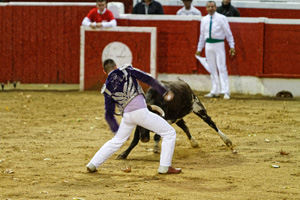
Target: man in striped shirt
x=122, y=90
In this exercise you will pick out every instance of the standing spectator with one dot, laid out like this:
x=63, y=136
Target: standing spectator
x=100, y=16
x=148, y=7
x=123, y=90
x=188, y=9
x=214, y=28
x=228, y=10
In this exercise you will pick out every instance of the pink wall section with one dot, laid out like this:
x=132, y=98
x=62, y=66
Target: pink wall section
x=41, y=44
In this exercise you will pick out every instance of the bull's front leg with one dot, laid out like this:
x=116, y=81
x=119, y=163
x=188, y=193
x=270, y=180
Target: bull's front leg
x=156, y=142
x=225, y=139
x=199, y=110
x=133, y=143
x=182, y=125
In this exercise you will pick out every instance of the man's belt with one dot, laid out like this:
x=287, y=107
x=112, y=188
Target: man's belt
x=210, y=40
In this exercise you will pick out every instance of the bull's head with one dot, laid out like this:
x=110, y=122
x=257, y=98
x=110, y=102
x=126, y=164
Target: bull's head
x=145, y=133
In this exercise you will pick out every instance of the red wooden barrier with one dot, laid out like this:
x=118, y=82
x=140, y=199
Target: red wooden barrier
x=281, y=56
x=171, y=9
x=177, y=45
x=127, y=3
x=247, y=12
x=6, y=48
x=40, y=44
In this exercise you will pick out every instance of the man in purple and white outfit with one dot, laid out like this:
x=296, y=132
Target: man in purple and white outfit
x=122, y=89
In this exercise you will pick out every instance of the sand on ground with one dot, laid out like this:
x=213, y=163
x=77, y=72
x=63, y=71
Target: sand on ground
x=48, y=137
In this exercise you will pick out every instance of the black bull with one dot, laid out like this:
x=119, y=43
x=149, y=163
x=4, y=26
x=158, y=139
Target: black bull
x=183, y=103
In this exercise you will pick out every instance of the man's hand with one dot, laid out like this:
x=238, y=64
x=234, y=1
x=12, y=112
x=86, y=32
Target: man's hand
x=232, y=52
x=99, y=25
x=169, y=96
x=198, y=53
x=93, y=25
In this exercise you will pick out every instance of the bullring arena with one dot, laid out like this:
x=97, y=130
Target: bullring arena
x=47, y=138
x=52, y=113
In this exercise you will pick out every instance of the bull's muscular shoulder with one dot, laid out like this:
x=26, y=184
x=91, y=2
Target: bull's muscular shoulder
x=178, y=86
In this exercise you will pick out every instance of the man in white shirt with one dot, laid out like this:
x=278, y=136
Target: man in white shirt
x=188, y=9
x=214, y=29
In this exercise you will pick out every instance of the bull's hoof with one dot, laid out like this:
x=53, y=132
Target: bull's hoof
x=228, y=143
x=225, y=139
x=193, y=142
x=121, y=157
x=156, y=149
x=146, y=139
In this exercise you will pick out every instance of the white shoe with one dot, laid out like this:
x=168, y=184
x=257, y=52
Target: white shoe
x=226, y=96
x=91, y=168
x=210, y=95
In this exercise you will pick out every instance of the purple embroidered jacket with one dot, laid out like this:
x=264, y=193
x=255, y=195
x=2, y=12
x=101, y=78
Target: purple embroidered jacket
x=121, y=86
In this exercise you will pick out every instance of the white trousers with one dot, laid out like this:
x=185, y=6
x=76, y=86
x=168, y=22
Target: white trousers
x=216, y=59
x=148, y=120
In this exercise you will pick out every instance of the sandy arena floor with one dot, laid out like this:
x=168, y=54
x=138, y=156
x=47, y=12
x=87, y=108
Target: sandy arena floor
x=47, y=138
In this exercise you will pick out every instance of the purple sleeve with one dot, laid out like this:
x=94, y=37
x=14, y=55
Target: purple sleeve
x=109, y=113
x=146, y=78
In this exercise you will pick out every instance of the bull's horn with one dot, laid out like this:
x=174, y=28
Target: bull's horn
x=118, y=114
x=158, y=109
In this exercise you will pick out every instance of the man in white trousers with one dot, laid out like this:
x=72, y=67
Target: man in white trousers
x=214, y=29
x=122, y=89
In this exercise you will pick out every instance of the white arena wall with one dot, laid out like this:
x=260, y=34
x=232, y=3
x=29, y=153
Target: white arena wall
x=240, y=84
